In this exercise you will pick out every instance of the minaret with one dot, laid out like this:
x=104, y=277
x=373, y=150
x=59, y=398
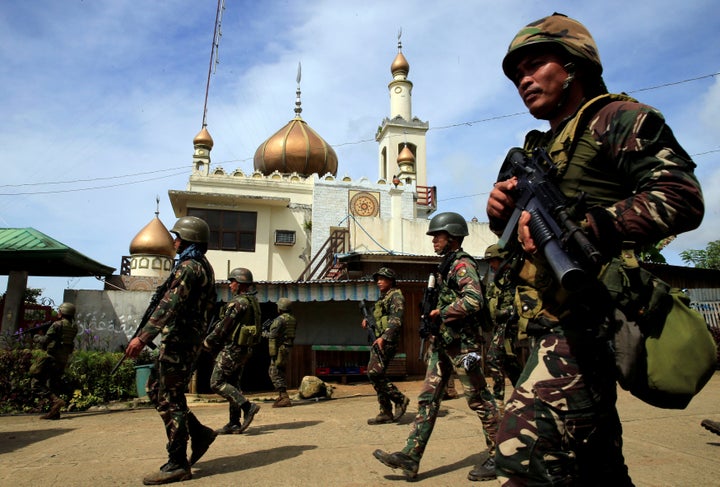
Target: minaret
x=203, y=144
x=401, y=136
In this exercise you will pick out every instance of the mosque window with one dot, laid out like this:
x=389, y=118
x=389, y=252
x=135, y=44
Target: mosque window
x=229, y=230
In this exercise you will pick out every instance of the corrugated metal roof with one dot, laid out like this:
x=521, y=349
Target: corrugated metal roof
x=29, y=250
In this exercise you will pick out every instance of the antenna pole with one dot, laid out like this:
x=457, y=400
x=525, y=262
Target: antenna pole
x=213, y=54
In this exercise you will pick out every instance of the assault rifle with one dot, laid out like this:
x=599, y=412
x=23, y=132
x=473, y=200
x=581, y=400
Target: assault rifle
x=372, y=331
x=428, y=326
x=154, y=300
x=568, y=251
x=40, y=328
x=265, y=327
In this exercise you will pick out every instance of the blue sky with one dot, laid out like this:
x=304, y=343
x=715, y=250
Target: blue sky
x=101, y=99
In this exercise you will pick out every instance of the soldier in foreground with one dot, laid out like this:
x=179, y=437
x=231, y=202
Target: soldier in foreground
x=237, y=332
x=281, y=336
x=456, y=346
x=388, y=316
x=59, y=343
x=561, y=426
x=180, y=319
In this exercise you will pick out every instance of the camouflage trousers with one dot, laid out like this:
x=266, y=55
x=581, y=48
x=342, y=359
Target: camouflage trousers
x=502, y=361
x=277, y=369
x=387, y=392
x=561, y=427
x=468, y=367
x=227, y=373
x=166, y=388
x=46, y=375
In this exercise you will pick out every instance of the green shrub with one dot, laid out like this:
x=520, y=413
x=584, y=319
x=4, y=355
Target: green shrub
x=86, y=382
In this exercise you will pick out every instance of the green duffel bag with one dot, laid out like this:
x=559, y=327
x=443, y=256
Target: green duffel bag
x=664, y=352
x=680, y=356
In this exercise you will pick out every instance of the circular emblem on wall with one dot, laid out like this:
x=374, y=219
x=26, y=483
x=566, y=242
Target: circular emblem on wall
x=364, y=204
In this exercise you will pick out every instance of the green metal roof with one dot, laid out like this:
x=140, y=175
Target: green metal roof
x=26, y=249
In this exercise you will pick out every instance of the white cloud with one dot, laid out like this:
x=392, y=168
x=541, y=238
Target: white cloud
x=104, y=88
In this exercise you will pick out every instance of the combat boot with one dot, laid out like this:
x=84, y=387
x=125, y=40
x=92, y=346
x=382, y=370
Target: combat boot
x=384, y=417
x=400, y=408
x=170, y=472
x=249, y=412
x=233, y=427
x=283, y=401
x=398, y=460
x=710, y=425
x=486, y=471
x=54, y=412
x=201, y=437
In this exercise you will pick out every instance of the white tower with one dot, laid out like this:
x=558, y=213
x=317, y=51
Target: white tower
x=402, y=131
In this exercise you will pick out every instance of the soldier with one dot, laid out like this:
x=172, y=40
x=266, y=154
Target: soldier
x=180, y=318
x=237, y=332
x=59, y=343
x=500, y=299
x=561, y=425
x=456, y=347
x=281, y=336
x=388, y=313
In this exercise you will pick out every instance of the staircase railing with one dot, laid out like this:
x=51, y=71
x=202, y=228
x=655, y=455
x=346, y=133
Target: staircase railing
x=325, y=258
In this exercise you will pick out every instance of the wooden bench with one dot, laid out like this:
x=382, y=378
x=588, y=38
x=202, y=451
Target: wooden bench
x=351, y=360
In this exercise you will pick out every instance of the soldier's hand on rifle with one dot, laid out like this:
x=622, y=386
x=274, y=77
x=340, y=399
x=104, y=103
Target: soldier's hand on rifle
x=134, y=347
x=434, y=314
x=501, y=201
x=379, y=342
x=524, y=236
x=364, y=323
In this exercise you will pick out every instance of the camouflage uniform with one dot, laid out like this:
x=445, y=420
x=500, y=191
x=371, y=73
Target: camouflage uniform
x=388, y=313
x=237, y=331
x=501, y=357
x=561, y=426
x=458, y=349
x=180, y=319
x=280, y=340
x=59, y=343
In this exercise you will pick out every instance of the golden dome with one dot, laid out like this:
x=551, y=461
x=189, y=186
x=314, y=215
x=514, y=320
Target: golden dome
x=405, y=155
x=153, y=239
x=203, y=139
x=296, y=148
x=400, y=65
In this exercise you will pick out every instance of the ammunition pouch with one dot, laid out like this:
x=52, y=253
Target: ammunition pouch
x=248, y=336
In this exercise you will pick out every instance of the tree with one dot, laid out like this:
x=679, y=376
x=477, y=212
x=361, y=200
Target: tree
x=704, y=259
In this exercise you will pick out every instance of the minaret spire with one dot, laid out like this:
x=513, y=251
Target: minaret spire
x=298, y=103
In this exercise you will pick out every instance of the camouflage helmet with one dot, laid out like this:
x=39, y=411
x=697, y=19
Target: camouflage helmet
x=450, y=222
x=192, y=229
x=67, y=309
x=385, y=272
x=284, y=304
x=494, y=252
x=556, y=29
x=241, y=275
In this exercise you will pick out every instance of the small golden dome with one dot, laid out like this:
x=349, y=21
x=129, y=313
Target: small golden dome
x=296, y=148
x=153, y=239
x=203, y=139
x=405, y=155
x=400, y=65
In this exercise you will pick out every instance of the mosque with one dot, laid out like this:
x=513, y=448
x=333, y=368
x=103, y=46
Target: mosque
x=306, y=234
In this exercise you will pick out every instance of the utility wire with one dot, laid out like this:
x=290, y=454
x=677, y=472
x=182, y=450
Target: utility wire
x=362, y=141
